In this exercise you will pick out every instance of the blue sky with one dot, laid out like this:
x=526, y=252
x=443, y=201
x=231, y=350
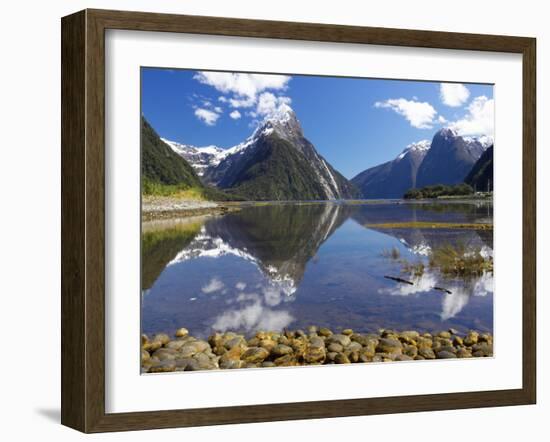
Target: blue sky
x=355, y=123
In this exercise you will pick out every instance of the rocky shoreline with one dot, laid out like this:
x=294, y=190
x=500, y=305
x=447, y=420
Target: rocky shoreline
x=316, y=346
x=165, y=207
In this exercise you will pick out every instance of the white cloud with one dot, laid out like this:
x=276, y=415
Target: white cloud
x=479, y=120
x=268, y=103
x=209, y=117
x=454, y=94
x=222, y=99
x=214, y=285
x=242, y=102
x=419, y=114
x=240, y=285
x=235, y=115
x=218, y=109
x=245, y=87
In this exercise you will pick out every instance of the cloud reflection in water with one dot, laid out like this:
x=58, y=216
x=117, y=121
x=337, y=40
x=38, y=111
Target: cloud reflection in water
x=255, y=312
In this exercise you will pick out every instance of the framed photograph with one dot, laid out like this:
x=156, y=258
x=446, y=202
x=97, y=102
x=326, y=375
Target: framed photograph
x=267, y=220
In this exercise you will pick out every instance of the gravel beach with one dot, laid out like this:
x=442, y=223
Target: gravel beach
x=163, y=207
x=315, y=346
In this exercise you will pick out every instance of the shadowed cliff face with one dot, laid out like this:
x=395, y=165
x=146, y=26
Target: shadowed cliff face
x=449, y=159
x=393, y=178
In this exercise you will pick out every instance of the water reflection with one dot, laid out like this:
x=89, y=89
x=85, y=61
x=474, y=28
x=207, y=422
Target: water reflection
x=278, y=241
x=255, y=312
x=452, y=303
x=421, y=242
x=277, y=266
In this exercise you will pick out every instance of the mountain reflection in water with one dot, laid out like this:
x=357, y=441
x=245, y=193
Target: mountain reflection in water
x=292, y=265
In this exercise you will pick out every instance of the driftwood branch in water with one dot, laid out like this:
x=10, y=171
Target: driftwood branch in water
x=394, y=278
x=442, y=289
x=404, y=281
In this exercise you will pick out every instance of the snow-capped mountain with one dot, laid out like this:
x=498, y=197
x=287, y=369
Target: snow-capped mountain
x=446, y=159
x=206, y=157
x=199, y=157
x=485, y=141
x=449, y=158
x=275, y=163
x=418, y=148
x=393, y=178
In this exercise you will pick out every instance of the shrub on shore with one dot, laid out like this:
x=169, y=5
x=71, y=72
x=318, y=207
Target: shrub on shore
x=439, y=190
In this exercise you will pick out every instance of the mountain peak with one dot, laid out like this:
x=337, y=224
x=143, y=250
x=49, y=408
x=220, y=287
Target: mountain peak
x=447, y=132
x=283, y=114
x=283, y=121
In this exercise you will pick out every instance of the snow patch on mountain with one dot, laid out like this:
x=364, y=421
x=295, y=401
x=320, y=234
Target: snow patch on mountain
x=218, y=166
x=486, y=141
x=202, y=158
x=419, y=146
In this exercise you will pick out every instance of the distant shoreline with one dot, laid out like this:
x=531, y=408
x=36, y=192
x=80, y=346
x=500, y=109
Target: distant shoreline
x=166, y=207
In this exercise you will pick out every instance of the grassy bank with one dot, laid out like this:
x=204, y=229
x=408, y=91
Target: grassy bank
x=454, y=260
x=187, y=193
x=431, y=225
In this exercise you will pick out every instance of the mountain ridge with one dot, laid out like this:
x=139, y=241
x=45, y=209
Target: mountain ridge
x=393, y=178
x=449, y=159
x=446, y=159
x=159, y=163
x=278, y=149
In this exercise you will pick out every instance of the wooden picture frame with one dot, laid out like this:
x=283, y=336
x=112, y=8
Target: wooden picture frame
x=83, y=219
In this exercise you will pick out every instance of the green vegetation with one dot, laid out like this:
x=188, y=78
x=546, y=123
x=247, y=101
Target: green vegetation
x=439, y=191
x=456, y=260
x=392, y=253
x=184, y=192
x=279, y=172
x=431, y=225
x=414, y=268
x=160, y=246
x=160, y=164
x=460, y=260
x=165, y=173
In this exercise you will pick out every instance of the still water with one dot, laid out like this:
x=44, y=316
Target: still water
x=293, y=265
